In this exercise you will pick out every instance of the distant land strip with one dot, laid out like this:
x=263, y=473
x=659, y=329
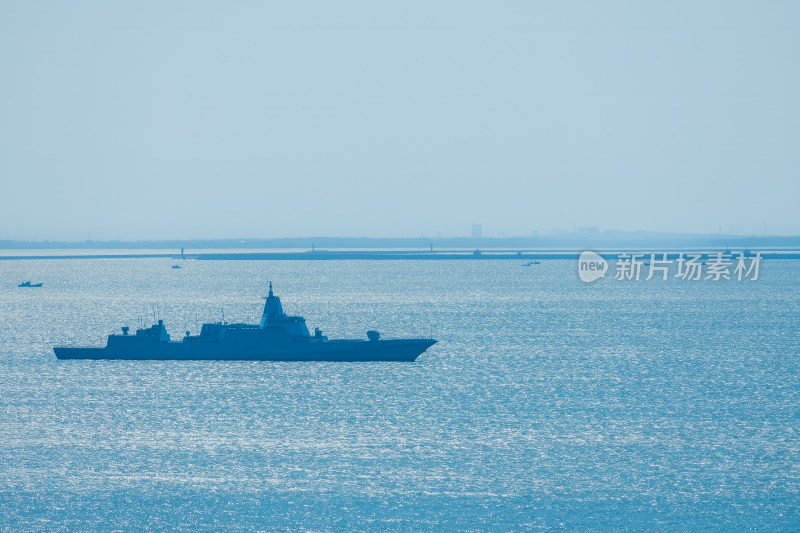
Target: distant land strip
x=579, y=240
x=376, y=255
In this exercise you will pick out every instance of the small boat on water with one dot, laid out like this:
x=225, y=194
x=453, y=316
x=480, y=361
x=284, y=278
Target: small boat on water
x=176, y=266
x=29, y=284
x=530, y=263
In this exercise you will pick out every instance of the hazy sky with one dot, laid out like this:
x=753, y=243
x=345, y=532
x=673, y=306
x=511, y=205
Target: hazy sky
x=147, y=120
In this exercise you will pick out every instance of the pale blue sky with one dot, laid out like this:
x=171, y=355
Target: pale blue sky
x=147, y=120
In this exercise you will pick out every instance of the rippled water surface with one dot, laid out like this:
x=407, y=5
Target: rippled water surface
x=547, y=403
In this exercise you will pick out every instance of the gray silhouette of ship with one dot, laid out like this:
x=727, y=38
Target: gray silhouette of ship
x=278, y=337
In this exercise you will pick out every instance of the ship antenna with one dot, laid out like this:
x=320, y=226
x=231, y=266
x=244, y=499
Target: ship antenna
x=270, y=288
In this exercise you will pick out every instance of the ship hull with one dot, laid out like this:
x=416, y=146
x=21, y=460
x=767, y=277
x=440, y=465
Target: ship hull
x=338, y=350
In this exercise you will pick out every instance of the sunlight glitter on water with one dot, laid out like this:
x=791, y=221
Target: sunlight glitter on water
x=546, y=403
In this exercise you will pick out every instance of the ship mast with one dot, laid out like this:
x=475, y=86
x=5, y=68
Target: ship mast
x=272, y=309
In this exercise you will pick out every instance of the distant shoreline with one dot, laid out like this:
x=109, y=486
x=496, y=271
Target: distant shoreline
x=416, y=255
x=579, y=240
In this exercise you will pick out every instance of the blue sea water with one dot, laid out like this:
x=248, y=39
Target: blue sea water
x=547, y=403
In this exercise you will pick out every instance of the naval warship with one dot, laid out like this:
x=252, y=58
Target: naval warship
x=278, y=337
